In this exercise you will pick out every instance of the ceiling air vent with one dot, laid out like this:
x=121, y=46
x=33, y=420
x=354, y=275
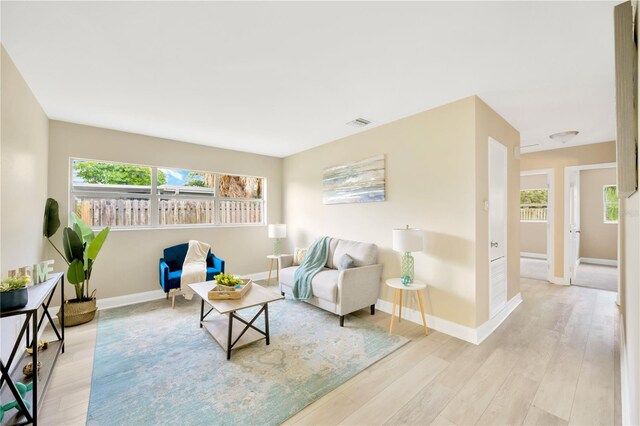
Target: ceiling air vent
x=359, y=122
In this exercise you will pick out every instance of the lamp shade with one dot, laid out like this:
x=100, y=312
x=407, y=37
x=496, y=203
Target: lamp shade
x=407, y=240
x=277, y=230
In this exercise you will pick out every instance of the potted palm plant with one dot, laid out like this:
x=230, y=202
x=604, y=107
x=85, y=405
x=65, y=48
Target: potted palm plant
x=81, y=247
x=13, y=292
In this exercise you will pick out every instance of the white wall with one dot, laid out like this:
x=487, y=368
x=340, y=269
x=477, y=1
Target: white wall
x=128, y=262
x=23, y=180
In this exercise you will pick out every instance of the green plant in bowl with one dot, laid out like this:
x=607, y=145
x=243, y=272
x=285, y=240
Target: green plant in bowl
x=14, y=283
x=227, y=280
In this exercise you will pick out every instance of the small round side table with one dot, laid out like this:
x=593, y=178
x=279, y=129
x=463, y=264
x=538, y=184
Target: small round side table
x=416, y=288
x=272, y=258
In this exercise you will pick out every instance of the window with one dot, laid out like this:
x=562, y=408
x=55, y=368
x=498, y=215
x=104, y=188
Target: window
x=132, y=196
x=610, y=198
x=533, y=205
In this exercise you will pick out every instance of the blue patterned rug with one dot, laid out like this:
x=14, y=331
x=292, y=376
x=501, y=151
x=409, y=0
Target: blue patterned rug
x=154, y=365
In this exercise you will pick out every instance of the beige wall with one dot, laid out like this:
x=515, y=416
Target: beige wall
x=489, y=124
x=23, y=180
x=533, y=235
x=598, y=240
x=558, y=159
x=128, y=262
x=430, y=184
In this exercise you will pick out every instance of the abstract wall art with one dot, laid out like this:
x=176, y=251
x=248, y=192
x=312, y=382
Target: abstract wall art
x=356, y=182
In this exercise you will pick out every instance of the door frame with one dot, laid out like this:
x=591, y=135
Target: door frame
x=505, y=150
x=566, y=279
x=550, y=173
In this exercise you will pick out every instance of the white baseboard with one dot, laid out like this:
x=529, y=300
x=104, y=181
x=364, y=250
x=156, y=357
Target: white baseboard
x=146, y=296
x=559, y=281
x=468, y=334
x=533, y=255
x=260, y=275
x=490, y=326
x=624, y=378
x=594, y=261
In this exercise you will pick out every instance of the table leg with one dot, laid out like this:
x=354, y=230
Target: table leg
x=266, y=321
x=424, y=321
x=34, y=359
x=229, y=333
x=278, y=271
x=393, y=310
x=400, y=308
x=201, y=311
x=270, y=268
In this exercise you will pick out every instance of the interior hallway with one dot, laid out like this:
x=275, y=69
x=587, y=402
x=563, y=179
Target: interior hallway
x=593, y=276
x=553, y=361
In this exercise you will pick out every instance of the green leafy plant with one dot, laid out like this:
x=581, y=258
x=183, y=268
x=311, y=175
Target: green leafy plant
x=227, y=280
x=14, y=283
x=81, y=247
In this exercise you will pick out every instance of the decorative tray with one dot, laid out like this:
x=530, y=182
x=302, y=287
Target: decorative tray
x=223, y=292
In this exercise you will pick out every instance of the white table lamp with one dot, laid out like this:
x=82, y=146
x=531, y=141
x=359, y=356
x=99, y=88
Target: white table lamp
x=277, y=231
x=406, y=241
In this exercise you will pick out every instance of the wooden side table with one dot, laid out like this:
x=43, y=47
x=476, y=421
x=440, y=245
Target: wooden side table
x=272, y=258
x=416, y=288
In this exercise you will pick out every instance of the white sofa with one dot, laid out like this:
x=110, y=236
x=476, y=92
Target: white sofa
x=340, y=291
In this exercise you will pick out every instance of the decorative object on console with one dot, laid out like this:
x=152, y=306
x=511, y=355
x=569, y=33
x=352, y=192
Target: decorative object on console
x=13, y=292
x=22, y=391
x=81, y=247
x=407, y=240
x=277, y=231
x=355, y=182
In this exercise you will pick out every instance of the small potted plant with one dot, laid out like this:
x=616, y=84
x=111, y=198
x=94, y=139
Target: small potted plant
x=81, y=247
x=13, y=292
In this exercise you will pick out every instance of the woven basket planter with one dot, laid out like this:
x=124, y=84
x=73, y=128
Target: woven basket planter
x=76, y=313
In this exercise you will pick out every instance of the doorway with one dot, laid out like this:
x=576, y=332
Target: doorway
x=591, y=226
x=497, y=227
x=536, y=224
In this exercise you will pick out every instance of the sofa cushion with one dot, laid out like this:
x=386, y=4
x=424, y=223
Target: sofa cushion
x=298, y=255
x=324, y=285
x=363, y=254
x=346, y=262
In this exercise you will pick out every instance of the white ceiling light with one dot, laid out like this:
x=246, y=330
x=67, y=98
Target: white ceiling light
x=564, y=137
x=359, y=122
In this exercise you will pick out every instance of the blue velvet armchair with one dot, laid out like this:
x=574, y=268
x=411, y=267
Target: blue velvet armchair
x=171, y=266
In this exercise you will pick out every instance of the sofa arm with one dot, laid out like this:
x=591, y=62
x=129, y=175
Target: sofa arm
x=358, y=288
x=286, y=260
x=164, y=275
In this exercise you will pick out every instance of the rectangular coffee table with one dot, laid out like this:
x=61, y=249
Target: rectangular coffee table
x=221, y=326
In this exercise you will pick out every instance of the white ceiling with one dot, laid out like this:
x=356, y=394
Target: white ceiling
x=279, y=78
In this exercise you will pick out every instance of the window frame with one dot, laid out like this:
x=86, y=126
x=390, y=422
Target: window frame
x=546, y=206
x=606, y=203
x=154, y=196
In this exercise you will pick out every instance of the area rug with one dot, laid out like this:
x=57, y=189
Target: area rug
x=155, y=365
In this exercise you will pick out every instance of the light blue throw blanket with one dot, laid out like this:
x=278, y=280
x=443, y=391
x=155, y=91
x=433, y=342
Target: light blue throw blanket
x=313, y=262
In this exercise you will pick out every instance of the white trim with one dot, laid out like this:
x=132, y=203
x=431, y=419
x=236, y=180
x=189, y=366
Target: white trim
x=533, y=255
x=594, y=261
x=565, y=230
x=146, y=296
x=558, y=281
x=468, y=334
x=259, y=275
x=625, y=402
x=490, y=326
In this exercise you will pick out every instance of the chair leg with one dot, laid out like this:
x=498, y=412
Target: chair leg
x=341, y=320
x=173, y=299
x=282, y=293
x=167, y=295
x=373, y=309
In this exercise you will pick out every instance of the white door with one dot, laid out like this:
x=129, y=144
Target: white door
x=497, y=225
x=574, y=224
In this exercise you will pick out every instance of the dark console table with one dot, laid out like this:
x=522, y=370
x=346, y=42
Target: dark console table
x=40, y=296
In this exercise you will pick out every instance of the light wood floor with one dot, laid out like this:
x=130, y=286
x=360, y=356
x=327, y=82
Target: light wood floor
x=553, y=361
